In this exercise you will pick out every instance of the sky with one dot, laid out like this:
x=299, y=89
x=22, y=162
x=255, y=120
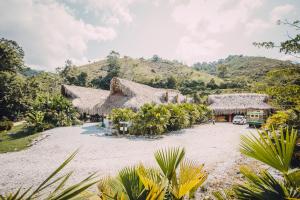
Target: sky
x=52, y=31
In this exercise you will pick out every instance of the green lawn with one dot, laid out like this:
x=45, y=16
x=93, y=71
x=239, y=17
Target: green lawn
x=15, y=139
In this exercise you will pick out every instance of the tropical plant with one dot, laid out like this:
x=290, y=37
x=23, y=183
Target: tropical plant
x=54, y=184
x=127, y=185
x=35, y=120
x=51, y=111
x=282, y=119
x=179, y=118
x=175, y=178
x=193, y=112
x=6, y=125
x=276, y=150
x=121, y=114
x=151, y=119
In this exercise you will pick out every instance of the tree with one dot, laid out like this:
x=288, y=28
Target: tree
x=113, y=70
x=12, y=97
x=222, y=70
x=155, y=58
x=113, y=63
x=212, y=84
x=171, y=82
x=290, y=46
x=11, y=56
x=82, y=79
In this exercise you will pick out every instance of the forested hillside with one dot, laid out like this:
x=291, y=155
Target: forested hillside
x=253, y=68
x=152, y=71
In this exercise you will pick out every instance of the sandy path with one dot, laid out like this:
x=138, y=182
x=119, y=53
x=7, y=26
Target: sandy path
x=215, y=145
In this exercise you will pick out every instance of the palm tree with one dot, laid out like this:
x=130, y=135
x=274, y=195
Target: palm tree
x=174, y=179
x=275, y=149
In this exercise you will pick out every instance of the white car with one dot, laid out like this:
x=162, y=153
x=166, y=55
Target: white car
x=239, y=119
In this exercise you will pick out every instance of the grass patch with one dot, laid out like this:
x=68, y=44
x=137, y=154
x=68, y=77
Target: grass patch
x=16, y=139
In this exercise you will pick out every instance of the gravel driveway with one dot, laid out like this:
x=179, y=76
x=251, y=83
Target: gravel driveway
x=214, y=145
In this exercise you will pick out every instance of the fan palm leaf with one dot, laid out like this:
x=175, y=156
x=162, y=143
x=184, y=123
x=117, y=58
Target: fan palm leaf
x=272, y=150
x=260, y=187
x=127, y=185
x=153, y=181
x=168, y=160
x=191, y=175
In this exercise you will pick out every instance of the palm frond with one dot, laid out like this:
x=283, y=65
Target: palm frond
x=131, y=182
x=110, y=188
x=191, y=176
x=270, y=149
x=224, y=195
x=169, y=159
x=260, y=187
x=153, y=181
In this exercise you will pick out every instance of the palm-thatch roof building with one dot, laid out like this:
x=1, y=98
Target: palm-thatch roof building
x=225, y=106
x=84, y=99
x=123, y=94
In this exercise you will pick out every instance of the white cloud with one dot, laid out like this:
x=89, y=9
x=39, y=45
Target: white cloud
x=111, y=11
x=204, y=20
x=256, y=25
x=192, y=51
x=280, y=12
x=48, y=32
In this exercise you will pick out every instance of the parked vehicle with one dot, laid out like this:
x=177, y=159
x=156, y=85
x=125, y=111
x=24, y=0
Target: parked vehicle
x=256, y=118
x=239, y=119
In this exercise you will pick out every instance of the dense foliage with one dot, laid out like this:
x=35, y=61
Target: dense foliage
x=151, y=120
x=121, y=114
x=5, y=124
x=51, y=111
x=176, y=178
x=154, y=119
x=11, y=56
x=282, y=119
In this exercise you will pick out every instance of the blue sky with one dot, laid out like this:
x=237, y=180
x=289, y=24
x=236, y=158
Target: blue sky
x=51, y=31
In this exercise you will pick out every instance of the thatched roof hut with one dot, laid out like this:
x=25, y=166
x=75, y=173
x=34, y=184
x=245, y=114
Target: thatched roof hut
x=226, y=104
x=123, y=94
x=129, y=94
x=83, y=98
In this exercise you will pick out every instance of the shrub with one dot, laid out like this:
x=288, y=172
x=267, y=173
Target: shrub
x=193, y=112
x=6, y=125
x=282, y=119
x=151, y=119
x=51, y=111
x=154, y=119
x=205, y=113
x=121, y=114
x=179, y=118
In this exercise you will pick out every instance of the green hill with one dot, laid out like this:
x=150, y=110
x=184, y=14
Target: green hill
x=143, y=71
x=251, y=67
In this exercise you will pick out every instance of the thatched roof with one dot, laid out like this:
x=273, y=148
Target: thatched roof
x=129, y=94
x=123, y=94
x=83, y=98
x=237, y=103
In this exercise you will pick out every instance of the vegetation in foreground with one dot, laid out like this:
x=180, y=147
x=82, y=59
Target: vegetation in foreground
x=176, y=178
x=54, y=186
x=282, y=181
